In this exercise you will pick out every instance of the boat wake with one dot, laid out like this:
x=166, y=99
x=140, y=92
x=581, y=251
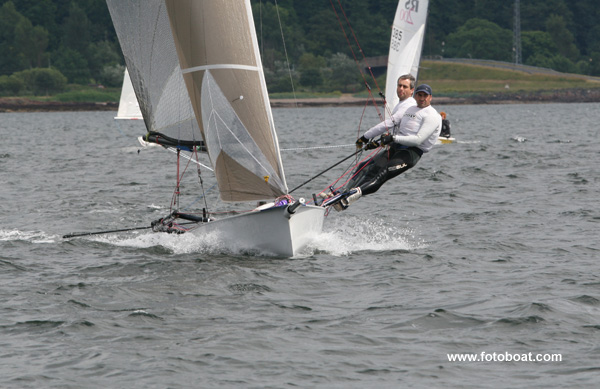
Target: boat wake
x=354, y=234
x=27, y=236
x=173, y=243
x=347, y=236
x=468, y=142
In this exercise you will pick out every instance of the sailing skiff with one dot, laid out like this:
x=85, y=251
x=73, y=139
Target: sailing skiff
x=197, y=74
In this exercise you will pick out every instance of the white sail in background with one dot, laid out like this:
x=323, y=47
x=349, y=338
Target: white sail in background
x=129, y=109
x=218, y=52
x=406, y=44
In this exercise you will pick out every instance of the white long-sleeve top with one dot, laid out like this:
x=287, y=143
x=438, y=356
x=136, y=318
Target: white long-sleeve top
x=420, y=127
x=393, y=121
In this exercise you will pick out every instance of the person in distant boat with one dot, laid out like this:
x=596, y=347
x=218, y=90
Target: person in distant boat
x=445, y=126
x=416, y=134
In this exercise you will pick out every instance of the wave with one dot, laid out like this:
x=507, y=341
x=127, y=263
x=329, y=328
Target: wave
x=353, y=234
x=28, y=236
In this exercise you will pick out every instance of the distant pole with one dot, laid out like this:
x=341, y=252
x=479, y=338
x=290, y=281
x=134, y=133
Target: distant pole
x=517, y=33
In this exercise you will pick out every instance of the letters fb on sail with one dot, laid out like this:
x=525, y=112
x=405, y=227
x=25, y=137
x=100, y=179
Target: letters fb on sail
x=218, y=52
x=406, y=44
x=144, y=33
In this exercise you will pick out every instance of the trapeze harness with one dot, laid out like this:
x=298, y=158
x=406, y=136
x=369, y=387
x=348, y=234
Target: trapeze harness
x=418, y=132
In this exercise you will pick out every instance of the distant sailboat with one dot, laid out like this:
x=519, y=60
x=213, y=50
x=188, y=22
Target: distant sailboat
x=222, y=108
x=406, y=45
x=129, y=109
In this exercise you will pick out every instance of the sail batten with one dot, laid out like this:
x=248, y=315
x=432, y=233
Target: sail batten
x=220, y=66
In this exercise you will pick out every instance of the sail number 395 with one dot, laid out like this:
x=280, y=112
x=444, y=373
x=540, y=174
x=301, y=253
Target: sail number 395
x=396, y=39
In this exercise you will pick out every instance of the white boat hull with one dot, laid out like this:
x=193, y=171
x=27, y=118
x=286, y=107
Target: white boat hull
x=271, y=231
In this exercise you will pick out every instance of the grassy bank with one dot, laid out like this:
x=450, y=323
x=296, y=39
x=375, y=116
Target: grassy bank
x=468, y=80
x=76, y=94
x=447, y=79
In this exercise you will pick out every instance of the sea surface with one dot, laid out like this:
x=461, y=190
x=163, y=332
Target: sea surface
x=489, y=246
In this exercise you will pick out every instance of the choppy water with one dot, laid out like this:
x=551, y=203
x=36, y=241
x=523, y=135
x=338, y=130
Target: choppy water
x=488, y=245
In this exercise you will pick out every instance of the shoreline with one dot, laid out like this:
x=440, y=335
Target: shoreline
x=553, y=96
x=12, y=104
x=16, y=104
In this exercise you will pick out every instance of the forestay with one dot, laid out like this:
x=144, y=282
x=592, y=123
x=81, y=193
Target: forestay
x=218, y=51
x=406, y=44
x=146, y=40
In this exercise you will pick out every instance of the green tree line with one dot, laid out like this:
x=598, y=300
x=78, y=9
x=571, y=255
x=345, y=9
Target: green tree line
x=47, y=44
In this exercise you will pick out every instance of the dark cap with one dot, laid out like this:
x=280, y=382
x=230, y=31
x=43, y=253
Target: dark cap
x=423, y=88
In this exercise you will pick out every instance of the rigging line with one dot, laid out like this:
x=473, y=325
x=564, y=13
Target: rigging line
x=174, y=150
x=201, y=181
x=202, y=196
x=265, y=169
x=367, y=158
x=348, y=41
x=177, y=192
x=358, y=44
x=78, y=234
x=286, y=53
x=318, y=147
x=363, y=58
x=356, y=61
x=175, y=199
x=262, y=42
x=182, y=174
x=359, y=125
x=214, y=115
x=325, y=171
x=287, y=61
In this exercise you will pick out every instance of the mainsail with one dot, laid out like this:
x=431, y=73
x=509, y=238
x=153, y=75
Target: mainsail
x=144, y=33
x=129, y=109
x=218, y=51
x=406, y=44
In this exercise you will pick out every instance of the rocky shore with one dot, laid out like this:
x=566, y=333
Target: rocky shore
x=15, y=104
x=555, y=96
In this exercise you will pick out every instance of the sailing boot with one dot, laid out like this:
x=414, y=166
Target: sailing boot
x=329, y=193
x=339, y=206
x=355, y=196
x=329, y=196
x=326, y=195
x=333, y=201
x=346, y=201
